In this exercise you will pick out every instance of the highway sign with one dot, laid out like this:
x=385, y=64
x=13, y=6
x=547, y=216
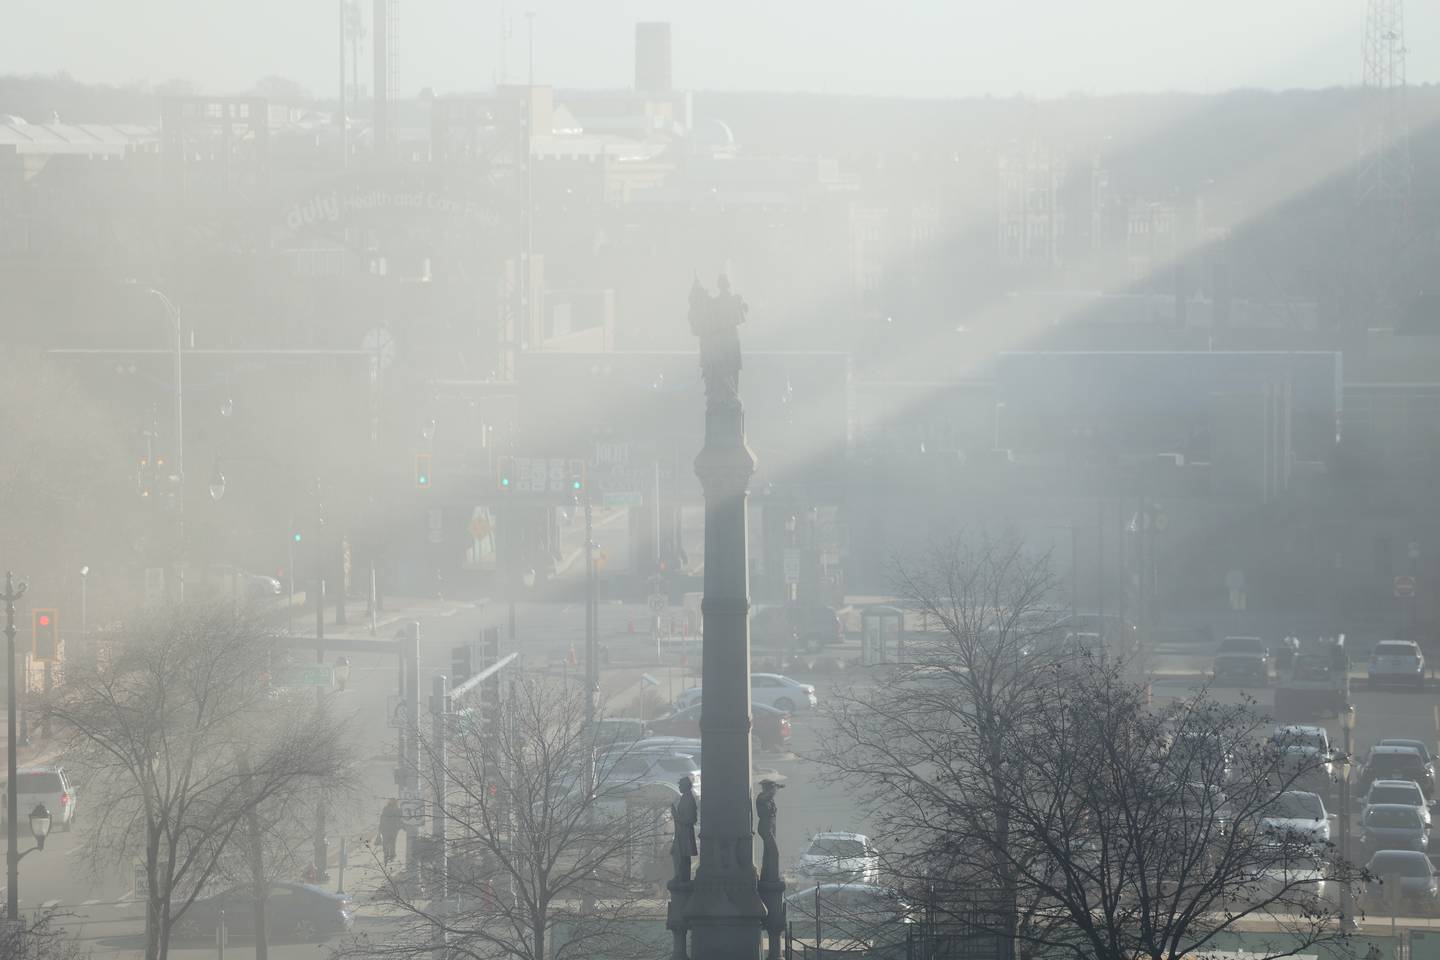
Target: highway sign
x=317, y=676
x=1404, y=587
x=412, y=812
x=657, y=603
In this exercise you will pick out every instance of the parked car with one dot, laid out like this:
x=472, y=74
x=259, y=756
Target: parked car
x=1397, y=763
x=1306, y=747
x=297, y=912
x=48, y=785
x=1393, y=826
x=835, y=857
x=1402, y=792
x=1397, y=661
x=638, y=767
x=767, y=689
x=611, y=731
x=1298, y=815
x=1417, y=745
x=780, y=692
x=1201, y=757
x=771, y=726
x=1404, y=878
x=793, y=628
x=1242, y=659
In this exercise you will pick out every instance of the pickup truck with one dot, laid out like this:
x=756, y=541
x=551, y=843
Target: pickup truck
x=1243, y=659
x=1317, y=685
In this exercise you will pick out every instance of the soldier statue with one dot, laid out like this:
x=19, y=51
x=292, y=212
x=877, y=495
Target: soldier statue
x=685, y=813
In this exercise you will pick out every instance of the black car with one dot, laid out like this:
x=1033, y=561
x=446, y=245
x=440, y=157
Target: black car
x=293, y=911
x=1394, y=762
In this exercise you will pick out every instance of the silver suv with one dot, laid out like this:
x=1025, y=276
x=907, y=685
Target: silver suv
x=47, y=785
x=1397, y=661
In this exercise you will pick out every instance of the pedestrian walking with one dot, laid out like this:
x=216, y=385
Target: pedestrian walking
x=389, y=828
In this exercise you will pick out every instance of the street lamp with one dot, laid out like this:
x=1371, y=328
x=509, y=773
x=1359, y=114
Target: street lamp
x=217, y=483
x=1347, y=905
x=39, y=826
x=84, y=579
x=174, y=316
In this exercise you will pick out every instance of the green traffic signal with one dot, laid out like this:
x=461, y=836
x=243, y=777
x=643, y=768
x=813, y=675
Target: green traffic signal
x=298, y=537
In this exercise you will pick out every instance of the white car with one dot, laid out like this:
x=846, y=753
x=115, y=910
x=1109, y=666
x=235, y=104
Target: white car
x=1297, y=814
x=768, y=689
x=1305, y=745
x=1397, y=661
x=1406, y=792
x=44, y=785
x=782, y=693
x=835, y=857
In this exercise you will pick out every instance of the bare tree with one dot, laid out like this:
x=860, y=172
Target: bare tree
x=1031, y=792
x=159, y=728
x=39, y=937
x=543, y=835
x=960, y=692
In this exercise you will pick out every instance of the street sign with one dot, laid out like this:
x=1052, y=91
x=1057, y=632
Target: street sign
x=657, y=603
x=1404, y=587
x=412, y=812
x=626, y=499
x=317, y=676
x=648, y=681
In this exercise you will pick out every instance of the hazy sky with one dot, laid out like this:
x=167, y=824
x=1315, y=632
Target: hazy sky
x=910, y=47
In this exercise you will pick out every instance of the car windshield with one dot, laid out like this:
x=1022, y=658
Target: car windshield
x=1300, y=739
x=38, y=782
x=1392, y=818
x=1391, y=649
x=1242, y=645
x=1418, y=746
x=1409, y=795
x=1298, y=806
x=1397, y=761
x=836, y=847
x=1397, y=862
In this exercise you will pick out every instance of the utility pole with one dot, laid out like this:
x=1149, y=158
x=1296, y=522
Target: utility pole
x=12, y=593
x=322, y=853
x=591, y=667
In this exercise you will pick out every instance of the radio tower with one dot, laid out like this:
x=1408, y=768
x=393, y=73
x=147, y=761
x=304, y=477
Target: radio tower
x=1384, y=170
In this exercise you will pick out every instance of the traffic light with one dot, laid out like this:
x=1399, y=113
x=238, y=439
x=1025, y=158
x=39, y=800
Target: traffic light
x=47, y=635
x=297, y=536
x=422, y=471
x=505, y=474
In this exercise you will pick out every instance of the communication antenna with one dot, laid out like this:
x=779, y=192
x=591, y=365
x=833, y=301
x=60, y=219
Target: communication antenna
x=1384, y=172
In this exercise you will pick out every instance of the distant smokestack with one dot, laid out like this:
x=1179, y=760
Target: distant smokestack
x=652, y=57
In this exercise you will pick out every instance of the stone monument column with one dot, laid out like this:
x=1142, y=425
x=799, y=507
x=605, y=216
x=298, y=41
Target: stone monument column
x=724, y=911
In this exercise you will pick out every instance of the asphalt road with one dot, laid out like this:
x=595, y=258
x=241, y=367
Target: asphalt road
x=92, y=900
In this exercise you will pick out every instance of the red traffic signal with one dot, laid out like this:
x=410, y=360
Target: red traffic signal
x=46, y=643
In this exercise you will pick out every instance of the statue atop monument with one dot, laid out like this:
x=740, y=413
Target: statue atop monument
x=716, y=320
